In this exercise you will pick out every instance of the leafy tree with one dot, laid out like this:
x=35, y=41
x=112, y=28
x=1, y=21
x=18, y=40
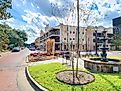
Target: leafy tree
x=22, y=35
x=116, y=43
x=117, y=37
x=11, y=37
x=4, y=6
x=3, y=40
x=17, y=37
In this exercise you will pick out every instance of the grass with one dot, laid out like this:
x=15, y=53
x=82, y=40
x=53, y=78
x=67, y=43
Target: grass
x=118, y=58
x=110, y=57
x=45, y=75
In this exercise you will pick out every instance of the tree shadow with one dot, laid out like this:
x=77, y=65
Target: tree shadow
x=109, y=82
x=73, y=88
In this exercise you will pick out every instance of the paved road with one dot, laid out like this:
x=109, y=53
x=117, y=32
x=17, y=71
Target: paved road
x=12, y=76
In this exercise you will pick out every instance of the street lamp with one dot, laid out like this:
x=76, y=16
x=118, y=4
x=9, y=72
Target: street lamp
x=86, y=42
x=96, y=42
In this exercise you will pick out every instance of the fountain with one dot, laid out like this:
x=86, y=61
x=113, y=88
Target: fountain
x=104, y=49
x=103, y=64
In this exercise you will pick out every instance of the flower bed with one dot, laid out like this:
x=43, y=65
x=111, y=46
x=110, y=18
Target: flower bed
x=34, y=57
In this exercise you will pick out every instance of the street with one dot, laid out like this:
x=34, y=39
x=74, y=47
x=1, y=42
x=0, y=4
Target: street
x=12, y=76
x=12, y=67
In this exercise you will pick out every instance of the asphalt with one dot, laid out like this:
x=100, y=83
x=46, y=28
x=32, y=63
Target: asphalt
x=12, y=72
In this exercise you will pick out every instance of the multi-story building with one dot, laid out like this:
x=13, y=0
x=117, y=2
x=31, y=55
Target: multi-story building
x=52, y=33
x=117, y=27
x=109, y=36
x=37, y=43
x=117, y=30
x=66, y=37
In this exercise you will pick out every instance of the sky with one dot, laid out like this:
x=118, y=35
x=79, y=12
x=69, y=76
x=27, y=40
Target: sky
x=33, y=15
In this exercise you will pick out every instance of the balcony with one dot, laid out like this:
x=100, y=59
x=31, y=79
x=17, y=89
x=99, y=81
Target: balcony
x=55, y=33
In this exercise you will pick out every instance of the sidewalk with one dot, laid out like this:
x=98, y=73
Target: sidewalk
x=22, y=81
x=61, y=60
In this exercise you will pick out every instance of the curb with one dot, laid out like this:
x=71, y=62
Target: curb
x=33, y=83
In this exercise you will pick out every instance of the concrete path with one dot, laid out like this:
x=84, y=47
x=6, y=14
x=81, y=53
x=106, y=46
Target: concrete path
x=22, y=82
x=61, y=60
x=114, y=54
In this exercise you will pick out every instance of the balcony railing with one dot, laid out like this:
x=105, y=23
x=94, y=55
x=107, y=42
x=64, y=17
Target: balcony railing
x=54, y=33
x=49, y=34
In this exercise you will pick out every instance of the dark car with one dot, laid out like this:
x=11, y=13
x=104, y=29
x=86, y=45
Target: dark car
x=16, y=49
x=32, y=48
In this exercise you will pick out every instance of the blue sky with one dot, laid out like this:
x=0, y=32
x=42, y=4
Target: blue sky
x=33, y=15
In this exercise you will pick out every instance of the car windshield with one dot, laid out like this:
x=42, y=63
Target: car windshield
x=16, y=48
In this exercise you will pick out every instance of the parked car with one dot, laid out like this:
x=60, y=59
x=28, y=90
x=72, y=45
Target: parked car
x=22, y=48
x=32, y=48
x=16, y=49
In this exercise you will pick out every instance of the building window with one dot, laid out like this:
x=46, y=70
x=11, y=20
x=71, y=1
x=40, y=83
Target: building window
x=83, y=47
x=93, y=40
x=82, y=32
x=82, y=39
x=73, y=38
x=73, y=46
x=70, y=38
x=70, y=31
x=73, y=32
x=109, y=41
x=64, y=47
x=94, y=34
x=64, y=38
x=99, y=35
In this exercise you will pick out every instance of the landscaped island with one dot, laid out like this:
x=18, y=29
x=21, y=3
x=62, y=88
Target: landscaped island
x=45, y=75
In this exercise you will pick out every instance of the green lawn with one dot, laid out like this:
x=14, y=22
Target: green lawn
x=45, y=75
x=110, y=57
x=118, y=58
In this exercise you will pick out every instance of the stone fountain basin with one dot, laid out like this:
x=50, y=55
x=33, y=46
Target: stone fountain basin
x=96, y=65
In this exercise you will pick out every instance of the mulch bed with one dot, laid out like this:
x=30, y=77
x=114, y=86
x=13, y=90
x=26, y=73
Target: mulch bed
x=82, y=78
x=40, y=58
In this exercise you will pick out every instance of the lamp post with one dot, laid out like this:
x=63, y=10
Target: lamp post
x=96, y=43
x=86, y=42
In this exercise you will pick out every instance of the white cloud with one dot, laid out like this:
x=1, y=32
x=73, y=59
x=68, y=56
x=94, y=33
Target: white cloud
x=35, y=22
x=32, y=5
x=38, y=14
x=52, y=1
